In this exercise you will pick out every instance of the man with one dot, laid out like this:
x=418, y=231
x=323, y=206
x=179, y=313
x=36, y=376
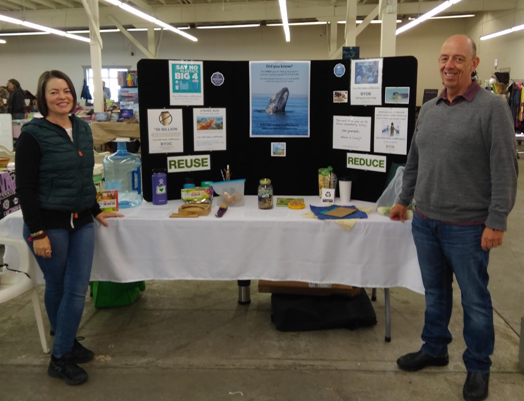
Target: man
x=462, y=172
x=16, y=100
x=107, y=91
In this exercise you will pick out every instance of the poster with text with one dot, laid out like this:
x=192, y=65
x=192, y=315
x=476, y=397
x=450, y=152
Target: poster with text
x=279, y=98
x=186, y=87
x=366, y=82
x=164, y=127
x=352, y=133
x=391, y=130
x=209, y=129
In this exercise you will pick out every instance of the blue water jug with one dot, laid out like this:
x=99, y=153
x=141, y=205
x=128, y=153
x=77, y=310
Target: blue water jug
x=122, y=173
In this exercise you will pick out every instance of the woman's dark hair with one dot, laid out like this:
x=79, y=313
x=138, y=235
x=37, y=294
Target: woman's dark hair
x=42, y=83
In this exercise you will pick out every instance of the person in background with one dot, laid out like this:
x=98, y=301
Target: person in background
x=462, y=172
x=4, y=98
x=107, y=91
x=54, y=178
x=16, y=99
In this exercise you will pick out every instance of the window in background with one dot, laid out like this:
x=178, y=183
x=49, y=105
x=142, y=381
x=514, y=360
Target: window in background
x=110, y=77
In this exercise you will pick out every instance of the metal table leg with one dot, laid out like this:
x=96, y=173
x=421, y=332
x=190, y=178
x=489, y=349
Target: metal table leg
x=244, y=293
x=388, y=315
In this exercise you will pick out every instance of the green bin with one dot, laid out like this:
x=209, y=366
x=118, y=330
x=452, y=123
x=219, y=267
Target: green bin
x=107, y=294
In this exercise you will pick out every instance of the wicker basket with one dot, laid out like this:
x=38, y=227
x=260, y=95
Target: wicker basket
x=4, y=161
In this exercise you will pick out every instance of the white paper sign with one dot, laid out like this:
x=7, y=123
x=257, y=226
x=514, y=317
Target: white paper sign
x=209, y=128
x=361, y=161
x=327, y=195
x=366, y=82
x=179, y=164
x=164, y=127
x=391, y=130
x=352, y=133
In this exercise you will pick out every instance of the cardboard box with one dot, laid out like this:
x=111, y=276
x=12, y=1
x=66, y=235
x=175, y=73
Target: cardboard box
x=302, y=288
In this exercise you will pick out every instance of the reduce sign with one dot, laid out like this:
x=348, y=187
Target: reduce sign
x=361, y=161
x=180, y=164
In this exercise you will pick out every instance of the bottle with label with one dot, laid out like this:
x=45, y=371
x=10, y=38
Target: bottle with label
x=122, y=173
x=159, y=180
x=265, y=194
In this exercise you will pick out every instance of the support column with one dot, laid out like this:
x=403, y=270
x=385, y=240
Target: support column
x=91, y=7
x=388, y=38
x=333, y=33
x=351, y=25
x=151, y=46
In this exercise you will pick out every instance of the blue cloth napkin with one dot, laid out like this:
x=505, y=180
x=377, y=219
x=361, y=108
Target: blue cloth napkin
x=319, y=210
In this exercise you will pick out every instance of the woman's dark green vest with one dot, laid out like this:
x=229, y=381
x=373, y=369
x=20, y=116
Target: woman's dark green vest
x=66, y=168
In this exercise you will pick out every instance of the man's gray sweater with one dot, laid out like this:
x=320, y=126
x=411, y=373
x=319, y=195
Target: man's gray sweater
x=462, y=165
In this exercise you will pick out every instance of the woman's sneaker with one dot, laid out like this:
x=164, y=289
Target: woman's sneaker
x=64, y=368
x=80, y=354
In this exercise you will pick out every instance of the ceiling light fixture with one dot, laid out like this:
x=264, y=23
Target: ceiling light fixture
x=42, y=28
x=285, y=22
x=428, y=15
x=301, y=23
x=24, y=33
x=374, y=21
x=504, y=32
x=447, y=17
x=2, y=41
x=150, y=18
x=228, y=26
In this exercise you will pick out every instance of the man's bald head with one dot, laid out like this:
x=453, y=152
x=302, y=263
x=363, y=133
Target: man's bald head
x=463, y=40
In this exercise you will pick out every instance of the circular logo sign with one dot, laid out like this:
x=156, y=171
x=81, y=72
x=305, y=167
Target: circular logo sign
x=217, y=78
x=339, y=70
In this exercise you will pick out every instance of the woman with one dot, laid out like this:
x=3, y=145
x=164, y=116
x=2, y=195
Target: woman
x=54, y=178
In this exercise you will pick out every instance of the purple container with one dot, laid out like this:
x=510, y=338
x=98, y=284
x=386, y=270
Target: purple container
x=159, y=180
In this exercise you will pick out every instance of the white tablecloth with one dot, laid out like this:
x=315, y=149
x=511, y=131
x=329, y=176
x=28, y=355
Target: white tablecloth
x=248, y=243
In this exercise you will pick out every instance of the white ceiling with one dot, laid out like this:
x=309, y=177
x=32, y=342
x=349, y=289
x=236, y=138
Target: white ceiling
x=67, y=14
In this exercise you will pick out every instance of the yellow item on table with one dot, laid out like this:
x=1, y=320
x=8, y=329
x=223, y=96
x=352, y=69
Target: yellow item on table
x=296, y=205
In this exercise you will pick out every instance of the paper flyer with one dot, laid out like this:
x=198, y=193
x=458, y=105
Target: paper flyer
x=352, y=133
x=186, y=87
x=391, y=130
x=279, y=98
x=209, y=129
x=164, y=128
x=366, y=82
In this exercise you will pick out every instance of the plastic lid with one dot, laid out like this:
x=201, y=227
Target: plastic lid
x=189, y=185
x=265, y=181
x=206, y=184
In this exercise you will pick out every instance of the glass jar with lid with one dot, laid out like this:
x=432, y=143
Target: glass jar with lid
x=265, y=194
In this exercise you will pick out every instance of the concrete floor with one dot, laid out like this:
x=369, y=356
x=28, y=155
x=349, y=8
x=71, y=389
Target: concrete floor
x=191, y=341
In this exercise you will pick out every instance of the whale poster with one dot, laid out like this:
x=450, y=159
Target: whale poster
x=185, y=83
x=279, y=99
x=209, y=132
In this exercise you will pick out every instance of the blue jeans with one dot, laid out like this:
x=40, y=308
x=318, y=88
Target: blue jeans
x=444, y=249
x=66, y=276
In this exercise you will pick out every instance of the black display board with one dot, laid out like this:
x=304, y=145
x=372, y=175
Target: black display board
x=250, y=158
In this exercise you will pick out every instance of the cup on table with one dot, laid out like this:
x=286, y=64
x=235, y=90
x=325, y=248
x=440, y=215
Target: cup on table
x=344, y=188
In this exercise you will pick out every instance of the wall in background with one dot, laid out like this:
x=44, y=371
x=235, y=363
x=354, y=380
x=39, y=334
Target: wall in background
x=507, y=49
x=24, y=58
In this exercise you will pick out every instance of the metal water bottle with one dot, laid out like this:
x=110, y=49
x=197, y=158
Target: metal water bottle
x=159, y=180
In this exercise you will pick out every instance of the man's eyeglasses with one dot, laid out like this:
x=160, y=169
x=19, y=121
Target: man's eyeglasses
x=456, y=59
